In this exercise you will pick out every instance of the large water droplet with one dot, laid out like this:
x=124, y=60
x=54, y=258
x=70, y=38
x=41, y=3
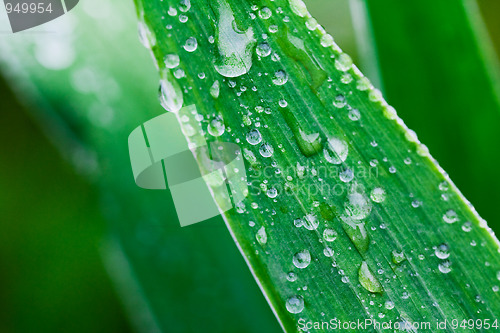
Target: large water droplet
x=234, y=46
x=329, y=235
x=311, y=222
x=343, y=62
x=215, y=89
x=295, y=304
x=263, y=49
x=398, y=257
x=302, y=259
x=368, y=280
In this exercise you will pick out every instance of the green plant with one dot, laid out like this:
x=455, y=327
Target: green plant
x=349, y=217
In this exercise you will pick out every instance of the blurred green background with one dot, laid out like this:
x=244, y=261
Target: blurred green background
x=83, y=249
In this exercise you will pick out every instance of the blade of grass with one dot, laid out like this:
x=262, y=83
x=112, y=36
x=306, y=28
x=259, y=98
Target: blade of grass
x=437, y=64
x=322, y=244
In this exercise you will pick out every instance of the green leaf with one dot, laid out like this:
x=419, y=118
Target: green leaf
x=330, y=155
x=439, y=71
x=88, y=96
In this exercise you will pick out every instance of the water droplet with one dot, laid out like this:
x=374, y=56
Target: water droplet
x=336, y=151
x=266, y=150
x=261, y=236
x=234, y=46
x=328, y=252
x=171, y=97
x=357, y=234
x=291, y=277
x=443, y=186
x=445, y=267
x=467, y=226
x=329, y=235
x=302, y=259
x=146, y=36
x=263, y=50
x=295, y=304
x=184, y=5
x=398, y=257
x=450, y=216
x=309, y=143
x=339, y=101
x=216, y=126
x=191, y=44
x=368, y=280
x=171, y=60
x=354, y=115
x=346, y=175
x=326, y=40
x=265, y=13
x=254, y=137
x=172, y=11
x=442, y=251
x=272, y=192
x=310, y=222
x=343, y=62
x=378, y=195
x=280, y=77
x=357, y=205
x=183, y=18
x=215, y=89
x=389, y=305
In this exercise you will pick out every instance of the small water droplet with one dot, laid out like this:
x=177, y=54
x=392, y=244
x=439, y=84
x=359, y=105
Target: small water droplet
x=343, y=62
x=310, y=222
x=266, y=150
x=445, y=267
x=216, y=126
x=291, y=277
x=336, y=151
x=346, y=175
x=280, y=77
x=450, y=216
x=272, y=192
x=441, y=251
x=329, y=235
x=254, y=137
x=263, y=50
x=302, y=259
x=339, y=101
x=191, y=44
x=261, y=236
x=171, y=60
x=215, y=89
x=398, y=257
x=467, y=226
x=378, y=195
x=295, y=304
x=389, y=305
x=354, y=115
x=328, y=252
x=265, y=13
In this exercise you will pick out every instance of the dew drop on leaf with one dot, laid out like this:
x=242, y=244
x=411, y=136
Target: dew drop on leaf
x=295, y=304
x=368, y=280
x=302, y=259
x=254, y=137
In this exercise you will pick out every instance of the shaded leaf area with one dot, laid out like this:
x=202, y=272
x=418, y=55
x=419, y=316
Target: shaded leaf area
x=347, y=215
x=52, y=278
x=89, y=82
x=439, y=72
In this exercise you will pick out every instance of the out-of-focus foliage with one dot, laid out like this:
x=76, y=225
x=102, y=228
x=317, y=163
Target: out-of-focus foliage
x=437, y=70
x=51, y=276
